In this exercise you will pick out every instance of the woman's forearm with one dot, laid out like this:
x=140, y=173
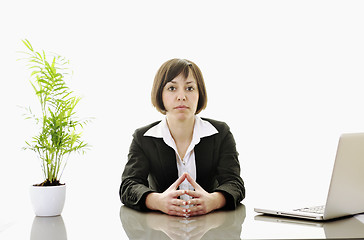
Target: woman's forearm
x=219, y=200
x=151, y=201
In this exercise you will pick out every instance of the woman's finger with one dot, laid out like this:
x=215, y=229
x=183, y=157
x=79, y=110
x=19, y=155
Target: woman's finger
x=193, y=194
x=197, y=213
x=178, y=182
x=177, y=193
x=177, y=210
x=178, y=202
x=192, y=182
x=195, y=201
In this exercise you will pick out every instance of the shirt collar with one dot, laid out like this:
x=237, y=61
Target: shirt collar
x=201, y=129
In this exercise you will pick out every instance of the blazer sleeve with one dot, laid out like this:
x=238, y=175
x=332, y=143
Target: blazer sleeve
x=228, y=171
x=134, y=185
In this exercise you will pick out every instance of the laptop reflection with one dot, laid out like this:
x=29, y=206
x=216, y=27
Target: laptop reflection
x=343, y=228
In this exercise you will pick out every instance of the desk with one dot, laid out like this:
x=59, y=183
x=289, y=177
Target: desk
x=94, y=220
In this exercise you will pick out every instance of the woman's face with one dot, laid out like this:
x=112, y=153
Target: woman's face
x=180, y=97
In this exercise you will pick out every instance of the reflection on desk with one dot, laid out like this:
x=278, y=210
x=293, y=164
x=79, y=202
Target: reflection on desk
x=155, y=225
x=44, y=228
x=349, y=227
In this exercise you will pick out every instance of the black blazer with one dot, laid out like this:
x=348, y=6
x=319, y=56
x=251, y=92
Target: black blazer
x=152, y=167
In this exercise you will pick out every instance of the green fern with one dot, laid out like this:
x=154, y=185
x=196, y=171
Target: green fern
x=58, y=136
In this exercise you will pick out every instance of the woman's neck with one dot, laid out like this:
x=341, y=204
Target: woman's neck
x=181, y=131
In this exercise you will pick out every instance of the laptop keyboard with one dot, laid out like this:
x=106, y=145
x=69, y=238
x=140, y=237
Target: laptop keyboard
x=318, y=209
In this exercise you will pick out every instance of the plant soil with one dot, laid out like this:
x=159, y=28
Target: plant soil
x=48, y=183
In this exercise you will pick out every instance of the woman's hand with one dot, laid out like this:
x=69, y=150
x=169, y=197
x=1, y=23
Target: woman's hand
x=168, y=201
x=203, y=202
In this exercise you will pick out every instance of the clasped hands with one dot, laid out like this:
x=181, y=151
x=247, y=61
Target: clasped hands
x=201, y=203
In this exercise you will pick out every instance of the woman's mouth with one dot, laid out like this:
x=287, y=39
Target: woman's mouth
x=181, y=107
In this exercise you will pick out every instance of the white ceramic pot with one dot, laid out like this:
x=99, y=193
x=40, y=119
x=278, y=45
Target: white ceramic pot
x=48, y=201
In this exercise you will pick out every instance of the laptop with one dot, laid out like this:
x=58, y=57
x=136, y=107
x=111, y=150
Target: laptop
x=346, y=192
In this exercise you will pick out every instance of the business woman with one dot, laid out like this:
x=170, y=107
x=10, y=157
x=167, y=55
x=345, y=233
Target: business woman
x=183, y=165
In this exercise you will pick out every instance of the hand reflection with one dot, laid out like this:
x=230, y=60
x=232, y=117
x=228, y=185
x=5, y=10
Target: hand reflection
x=45, y=228
x=215, y=225
x=185, y=228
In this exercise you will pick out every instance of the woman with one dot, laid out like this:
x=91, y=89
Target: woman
x=183, y=165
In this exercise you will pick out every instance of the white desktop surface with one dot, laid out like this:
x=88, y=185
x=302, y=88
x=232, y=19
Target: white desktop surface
x=97, y=220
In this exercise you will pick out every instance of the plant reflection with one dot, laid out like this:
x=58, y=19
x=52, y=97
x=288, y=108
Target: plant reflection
x=156, y=225
x=45, y=228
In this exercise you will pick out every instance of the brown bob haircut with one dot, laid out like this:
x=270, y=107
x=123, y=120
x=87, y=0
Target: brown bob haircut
x=171, y=69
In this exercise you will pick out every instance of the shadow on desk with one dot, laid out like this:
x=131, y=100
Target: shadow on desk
x=155, y=225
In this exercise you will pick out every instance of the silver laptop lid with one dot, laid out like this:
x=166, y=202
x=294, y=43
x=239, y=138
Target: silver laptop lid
x=346, y=192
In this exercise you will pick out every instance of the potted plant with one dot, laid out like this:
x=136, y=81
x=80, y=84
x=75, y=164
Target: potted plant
x=59, y=127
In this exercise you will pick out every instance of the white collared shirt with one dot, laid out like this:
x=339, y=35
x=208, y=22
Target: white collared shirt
x=201, y=129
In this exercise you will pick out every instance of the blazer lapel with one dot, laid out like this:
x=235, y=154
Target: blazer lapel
x=167, y=161
x=204, y=159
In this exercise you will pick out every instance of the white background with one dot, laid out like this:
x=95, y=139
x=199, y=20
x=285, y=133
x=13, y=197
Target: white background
x=285, y=75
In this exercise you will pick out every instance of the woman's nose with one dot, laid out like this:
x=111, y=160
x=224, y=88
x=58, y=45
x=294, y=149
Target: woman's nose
x=181, y=96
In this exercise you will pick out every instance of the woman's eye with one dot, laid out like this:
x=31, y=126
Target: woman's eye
x=171, y=88
x=190, y=88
